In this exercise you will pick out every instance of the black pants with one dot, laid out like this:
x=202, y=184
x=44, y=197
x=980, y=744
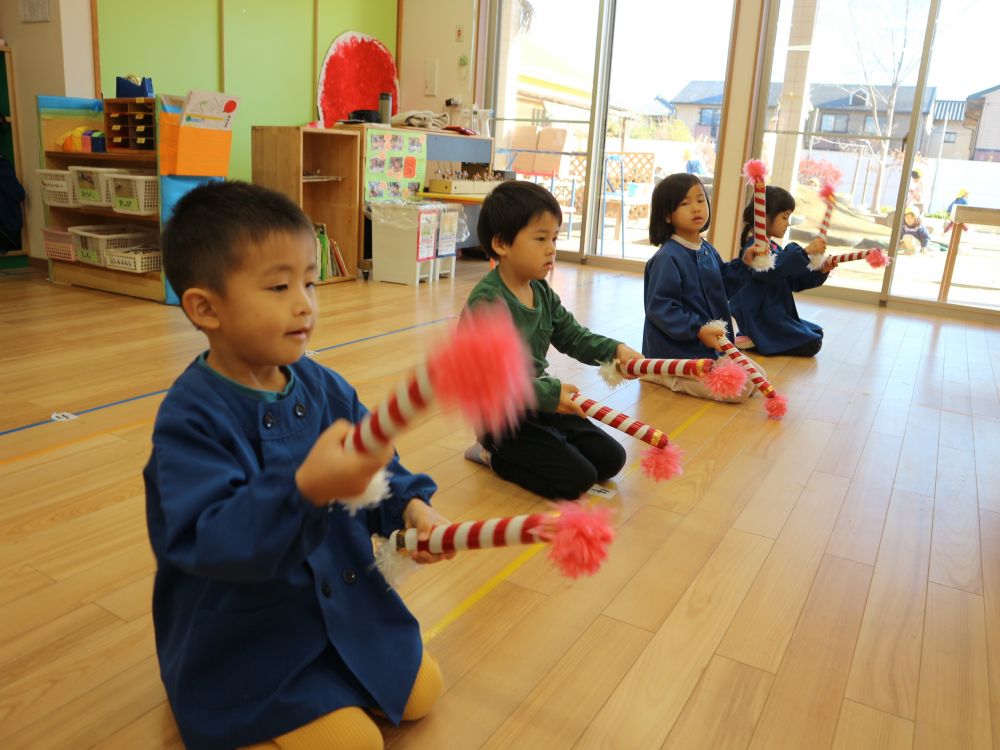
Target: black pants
x=805, y=350
x=556, y=455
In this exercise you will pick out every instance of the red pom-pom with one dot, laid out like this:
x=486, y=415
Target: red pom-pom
x=580, y=537
x=662, y=463
x=755, y=171
x=726, y=378
x=777, y=406
x=827, y=191
x=877, y=258
x=484, y=369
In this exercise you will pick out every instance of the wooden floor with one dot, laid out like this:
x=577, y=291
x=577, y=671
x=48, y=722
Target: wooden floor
x=831, y=580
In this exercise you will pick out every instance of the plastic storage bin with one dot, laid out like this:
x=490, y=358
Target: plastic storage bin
x=135, y=194
x=403, y=239
x=58, y=244
x=58, y=187
x=92, y=241
x=139, y=260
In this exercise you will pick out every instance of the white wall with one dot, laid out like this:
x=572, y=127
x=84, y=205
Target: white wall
x=40, y=67
x=428, y=34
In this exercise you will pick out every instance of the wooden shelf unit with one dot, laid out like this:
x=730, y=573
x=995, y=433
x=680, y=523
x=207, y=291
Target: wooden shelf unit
x=144, y=285
x=130, y=125
x=318, y=169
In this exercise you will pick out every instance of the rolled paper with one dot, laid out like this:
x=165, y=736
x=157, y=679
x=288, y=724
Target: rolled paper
x=483, y=368
x=579, y=537
x=661, y=461
x=775, y=410
x=621, y=421
x=755, y=171
x=691, y=368
x=875, y=257
x=826, y=193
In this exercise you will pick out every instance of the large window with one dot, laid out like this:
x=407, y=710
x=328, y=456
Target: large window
x=842, y=92
x=664, y=111
x=545, y=71
x=833, y=123
x=659, y=118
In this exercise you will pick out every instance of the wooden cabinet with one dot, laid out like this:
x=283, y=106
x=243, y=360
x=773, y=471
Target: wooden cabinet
x=318, y=169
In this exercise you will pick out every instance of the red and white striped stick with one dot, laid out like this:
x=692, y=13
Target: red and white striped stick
x=827, y=194
x=755, y=172
x=875, y=257
x=621, y=421
x=579, y=537
x=483, y=368
x=661, y=461
x=691, y=368
x=776, y=405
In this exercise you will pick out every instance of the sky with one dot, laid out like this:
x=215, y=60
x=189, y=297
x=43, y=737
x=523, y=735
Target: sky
x=660, y=45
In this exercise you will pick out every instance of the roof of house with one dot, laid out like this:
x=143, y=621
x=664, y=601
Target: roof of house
x=822, y=95
x=984, y=92
x=949, y=109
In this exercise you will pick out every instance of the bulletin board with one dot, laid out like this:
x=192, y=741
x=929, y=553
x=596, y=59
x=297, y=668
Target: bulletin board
x=395, y=163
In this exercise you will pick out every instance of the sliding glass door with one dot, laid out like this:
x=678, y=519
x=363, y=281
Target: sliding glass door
x=664, y=110
x=842, y=94
x=543, y=99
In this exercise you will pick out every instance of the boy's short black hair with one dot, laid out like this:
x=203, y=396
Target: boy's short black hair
x=667, y=196
x=203, y=242
x=508, y=209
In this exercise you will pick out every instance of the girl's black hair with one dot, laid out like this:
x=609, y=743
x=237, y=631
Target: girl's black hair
x=777, y=201
x=667, y=196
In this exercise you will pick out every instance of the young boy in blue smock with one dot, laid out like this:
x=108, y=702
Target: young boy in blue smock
x=273, y=629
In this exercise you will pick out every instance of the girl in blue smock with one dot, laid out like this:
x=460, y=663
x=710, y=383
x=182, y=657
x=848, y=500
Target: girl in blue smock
x=687, y=285
x=765, y=308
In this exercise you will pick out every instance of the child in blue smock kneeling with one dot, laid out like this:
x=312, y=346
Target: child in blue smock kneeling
x=765, y=308
x=273, y=627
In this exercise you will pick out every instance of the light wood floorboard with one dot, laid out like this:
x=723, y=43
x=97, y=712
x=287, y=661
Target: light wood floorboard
x=830, y=580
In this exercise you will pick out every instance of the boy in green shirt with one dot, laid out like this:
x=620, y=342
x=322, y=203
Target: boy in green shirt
x=555, y=451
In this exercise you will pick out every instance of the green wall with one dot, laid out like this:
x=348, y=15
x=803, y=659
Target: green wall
x=175, y=43
x=265, y=54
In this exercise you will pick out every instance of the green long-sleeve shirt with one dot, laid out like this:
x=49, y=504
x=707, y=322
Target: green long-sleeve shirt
x=548, y=322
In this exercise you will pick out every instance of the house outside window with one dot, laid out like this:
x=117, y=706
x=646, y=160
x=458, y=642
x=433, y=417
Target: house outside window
x=870, y=125
x=709, y=116
x=833, y=123
x=949, y=136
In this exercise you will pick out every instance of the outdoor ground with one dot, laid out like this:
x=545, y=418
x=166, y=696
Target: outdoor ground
x=976, y=280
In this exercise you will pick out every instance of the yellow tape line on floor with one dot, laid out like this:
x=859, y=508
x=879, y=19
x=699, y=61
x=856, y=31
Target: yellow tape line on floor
x=504, y=573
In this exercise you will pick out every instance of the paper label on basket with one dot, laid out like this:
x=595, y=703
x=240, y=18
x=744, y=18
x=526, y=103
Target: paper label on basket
x=209, y=109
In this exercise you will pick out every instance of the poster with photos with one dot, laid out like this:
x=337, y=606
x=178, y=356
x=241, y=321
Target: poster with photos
x=395, y=163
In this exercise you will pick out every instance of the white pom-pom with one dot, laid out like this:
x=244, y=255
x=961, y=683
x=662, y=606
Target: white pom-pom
x=395, y=566
x=610, y=374
x=376, y=491
x=763, y=262
x=719, y=323
x=816, y=261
